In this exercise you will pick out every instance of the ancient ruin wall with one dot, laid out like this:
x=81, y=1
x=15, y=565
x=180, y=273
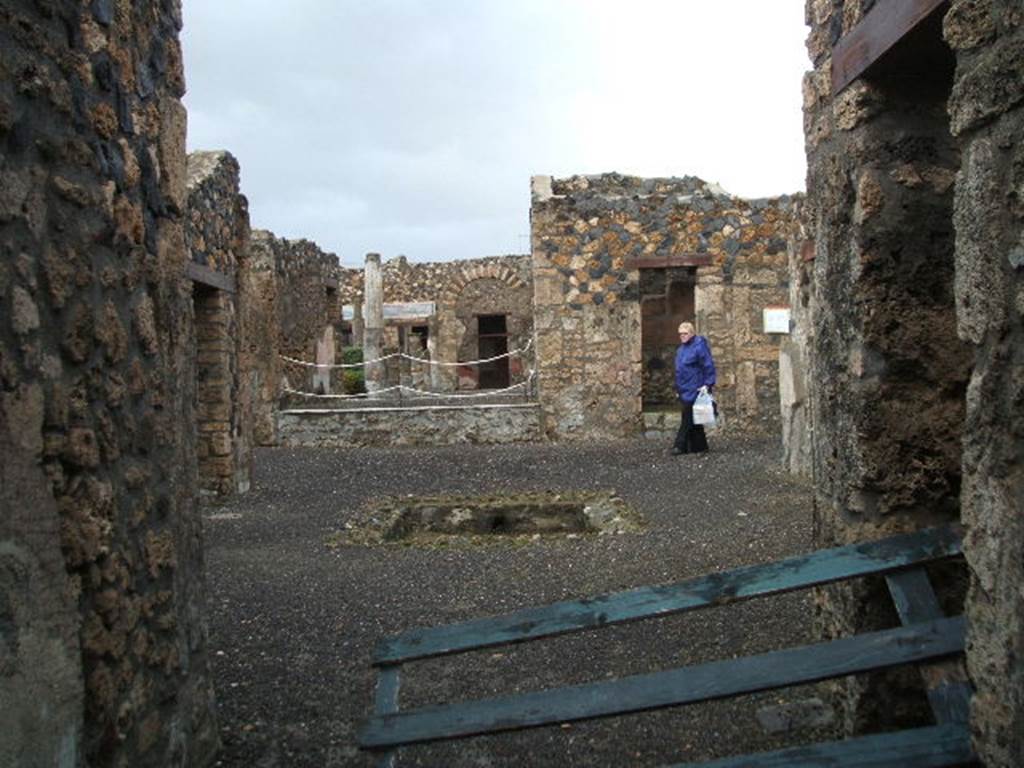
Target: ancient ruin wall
x=986, y=111
x=588, y=234
x=795, y=383
x=102, y=638
x=888, y=372
x=461, y=290
x=293, y=289
x=217, y=237
x=258, y=357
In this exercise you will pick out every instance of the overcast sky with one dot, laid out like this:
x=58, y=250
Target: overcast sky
x=413, y=126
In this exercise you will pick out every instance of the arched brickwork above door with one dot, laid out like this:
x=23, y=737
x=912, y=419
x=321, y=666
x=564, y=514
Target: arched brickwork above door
x=500, y=272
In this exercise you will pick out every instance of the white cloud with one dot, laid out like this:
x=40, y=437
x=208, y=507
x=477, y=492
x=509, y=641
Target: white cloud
x=413, y=126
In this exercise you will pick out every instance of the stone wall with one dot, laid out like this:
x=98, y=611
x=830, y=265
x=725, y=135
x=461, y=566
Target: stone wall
x=986, y=110
x=294, y=289
x=795, y=384
x=889, y=373
x=592, y=236
x=434, y=425
x=461, y=291
x=217, y=236
x=102, y=638
x=915, y=341
x=258, y=356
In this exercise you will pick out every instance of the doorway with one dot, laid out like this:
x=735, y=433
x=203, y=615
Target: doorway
x=492, y=341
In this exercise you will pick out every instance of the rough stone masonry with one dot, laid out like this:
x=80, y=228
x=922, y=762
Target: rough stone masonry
x=598, y=242
x=102, y=638
x=914, y=334
x=217, y=238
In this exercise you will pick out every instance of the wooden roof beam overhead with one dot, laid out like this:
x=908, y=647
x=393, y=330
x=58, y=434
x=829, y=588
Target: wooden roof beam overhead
x=200, y=273
x=888, y=22
x=676, y=260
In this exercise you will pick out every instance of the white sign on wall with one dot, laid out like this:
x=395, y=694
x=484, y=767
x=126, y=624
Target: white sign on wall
x=776, y=319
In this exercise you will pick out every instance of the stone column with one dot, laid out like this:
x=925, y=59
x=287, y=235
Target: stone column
x=357, y=323
x=324, y=359
x=373, y=328
x=436, y=372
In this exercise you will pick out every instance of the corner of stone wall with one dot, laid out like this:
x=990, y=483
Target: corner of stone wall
x=987, y=117
x=102, y=634
x=217, y=235
x=887, y=405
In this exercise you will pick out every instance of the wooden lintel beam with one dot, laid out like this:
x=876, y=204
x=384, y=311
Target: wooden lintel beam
x=678, y=260
x=888, y=22
x=201, y=273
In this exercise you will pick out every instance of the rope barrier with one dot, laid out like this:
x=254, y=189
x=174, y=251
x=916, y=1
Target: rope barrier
x=413, y=390
x=425, y=361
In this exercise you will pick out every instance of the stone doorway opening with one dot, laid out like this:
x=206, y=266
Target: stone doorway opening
x=666, y=300
x=214, y=374
x=492, y=340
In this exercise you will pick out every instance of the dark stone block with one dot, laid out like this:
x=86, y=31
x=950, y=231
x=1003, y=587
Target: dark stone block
x=835, y=29
x=19, y=139
x=103, y=12
x=124, y=112
x=103, y=72
x=144, y=84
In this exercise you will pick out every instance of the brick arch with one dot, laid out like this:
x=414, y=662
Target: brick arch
x=476, y=272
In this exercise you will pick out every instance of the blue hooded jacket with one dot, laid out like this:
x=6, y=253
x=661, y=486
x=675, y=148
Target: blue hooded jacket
x=694, y=368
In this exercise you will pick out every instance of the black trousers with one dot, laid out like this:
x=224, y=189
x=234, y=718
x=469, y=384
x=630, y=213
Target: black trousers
x=690, y=438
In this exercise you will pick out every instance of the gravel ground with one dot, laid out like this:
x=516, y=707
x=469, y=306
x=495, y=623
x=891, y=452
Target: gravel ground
x=294, y=616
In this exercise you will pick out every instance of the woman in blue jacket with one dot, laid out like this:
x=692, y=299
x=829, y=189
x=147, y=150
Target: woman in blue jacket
x=695, y=371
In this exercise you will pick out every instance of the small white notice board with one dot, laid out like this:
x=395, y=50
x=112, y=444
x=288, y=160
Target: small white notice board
x=776, y=319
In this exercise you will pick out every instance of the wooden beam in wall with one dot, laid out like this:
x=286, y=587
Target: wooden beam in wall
x=678, y=260
x=888, y=22
x=200, y=273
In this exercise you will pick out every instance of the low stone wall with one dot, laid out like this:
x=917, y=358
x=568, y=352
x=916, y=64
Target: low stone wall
x=382, y=427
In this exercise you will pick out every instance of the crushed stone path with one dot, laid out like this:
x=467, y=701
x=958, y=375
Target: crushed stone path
x=294, y=614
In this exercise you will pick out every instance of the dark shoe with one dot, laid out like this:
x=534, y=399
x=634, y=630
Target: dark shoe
x=677, y=451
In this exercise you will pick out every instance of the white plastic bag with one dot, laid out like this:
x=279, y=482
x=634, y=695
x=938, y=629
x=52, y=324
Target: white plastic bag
x=704, y=409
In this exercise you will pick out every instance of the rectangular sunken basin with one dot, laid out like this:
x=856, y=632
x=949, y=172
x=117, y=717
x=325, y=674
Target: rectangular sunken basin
x=529, y=514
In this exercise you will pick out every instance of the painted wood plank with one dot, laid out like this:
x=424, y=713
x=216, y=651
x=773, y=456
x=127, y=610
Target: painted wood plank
x=821, y=567
x=949, y=693
x=888, y=22
x=932, y=747
x=672, y=687
x=386, y=703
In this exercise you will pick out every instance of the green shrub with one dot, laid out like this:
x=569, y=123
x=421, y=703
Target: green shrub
x=353, y=381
